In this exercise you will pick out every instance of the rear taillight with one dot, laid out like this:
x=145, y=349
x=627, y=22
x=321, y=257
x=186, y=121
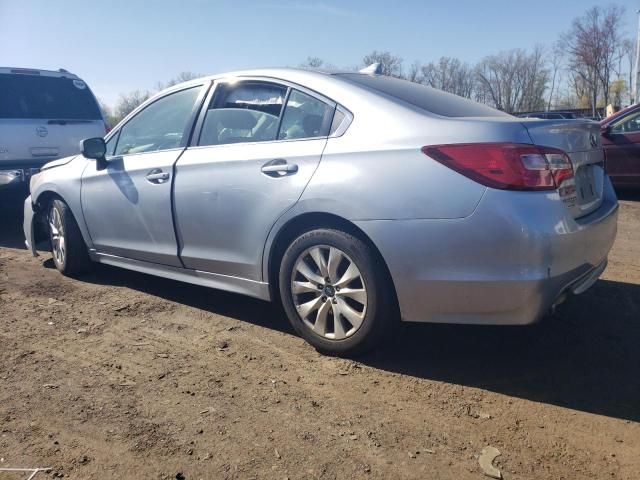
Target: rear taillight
x=507, y=166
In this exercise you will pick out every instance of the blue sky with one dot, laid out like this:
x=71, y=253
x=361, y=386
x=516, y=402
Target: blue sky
x=122, y=45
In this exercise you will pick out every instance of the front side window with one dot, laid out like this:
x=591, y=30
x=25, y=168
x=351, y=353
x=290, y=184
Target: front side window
x=628, y=124
x=304, y=117
x=245, y=112
x=160, y=126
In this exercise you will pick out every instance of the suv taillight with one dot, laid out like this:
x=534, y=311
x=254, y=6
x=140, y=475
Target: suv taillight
x=507, y=166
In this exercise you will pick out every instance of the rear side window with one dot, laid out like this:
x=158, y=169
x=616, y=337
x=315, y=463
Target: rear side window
x=628, y=123
x=245, y=112
x=421, y=96
x=43, y=97
x=304, y=117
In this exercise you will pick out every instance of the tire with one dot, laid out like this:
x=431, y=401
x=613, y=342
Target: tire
x=339, y=310
x=69, y=251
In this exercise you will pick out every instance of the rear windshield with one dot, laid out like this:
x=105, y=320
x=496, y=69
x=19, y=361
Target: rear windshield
x=421, y=96
x=35, y=96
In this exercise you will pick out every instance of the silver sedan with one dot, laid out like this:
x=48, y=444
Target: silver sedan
x=355, y=199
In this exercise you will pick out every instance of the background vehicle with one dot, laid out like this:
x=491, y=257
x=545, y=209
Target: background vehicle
x=352, y=198
x=621, y=141
x=43, y=117
x=549, y=115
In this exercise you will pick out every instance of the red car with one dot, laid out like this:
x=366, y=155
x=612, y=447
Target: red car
x=620, y=135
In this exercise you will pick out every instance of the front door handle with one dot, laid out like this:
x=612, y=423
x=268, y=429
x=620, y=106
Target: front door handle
x=279, y=168
x=157, y=176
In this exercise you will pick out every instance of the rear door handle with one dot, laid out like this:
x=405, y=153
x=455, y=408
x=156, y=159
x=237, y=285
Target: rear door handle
x=279, y=167
x=157, y=176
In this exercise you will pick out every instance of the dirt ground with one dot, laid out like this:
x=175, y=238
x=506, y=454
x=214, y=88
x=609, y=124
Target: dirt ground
x=123, y=375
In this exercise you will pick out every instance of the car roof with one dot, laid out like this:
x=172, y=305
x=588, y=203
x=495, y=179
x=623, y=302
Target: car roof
x=291, y=74
x=327, y=83
x=62, y=73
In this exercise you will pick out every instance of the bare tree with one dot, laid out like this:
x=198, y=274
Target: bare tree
x=129, y=102
x=513, y=81
x=391, y=64
x=557, y=62
x=312, y=62
x=451, y=75
x=628, y=53
x=414, y=75
x=181, y=77
x=592, y=45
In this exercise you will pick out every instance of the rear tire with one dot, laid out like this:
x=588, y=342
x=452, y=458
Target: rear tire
x=335, y=293
x=69, y=250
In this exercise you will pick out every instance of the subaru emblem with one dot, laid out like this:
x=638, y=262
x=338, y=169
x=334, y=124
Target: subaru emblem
x=42, y=131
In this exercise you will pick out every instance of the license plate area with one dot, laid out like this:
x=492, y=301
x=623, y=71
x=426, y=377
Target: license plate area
x=586, y=186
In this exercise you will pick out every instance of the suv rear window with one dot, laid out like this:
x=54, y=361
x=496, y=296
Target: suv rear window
x=421, y=96
x=35, y=96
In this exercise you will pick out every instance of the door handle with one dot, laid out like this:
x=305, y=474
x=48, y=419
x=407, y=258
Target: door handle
x=157, y=176
x=279, y=167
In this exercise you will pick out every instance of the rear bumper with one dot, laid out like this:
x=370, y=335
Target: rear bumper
x=508, y=263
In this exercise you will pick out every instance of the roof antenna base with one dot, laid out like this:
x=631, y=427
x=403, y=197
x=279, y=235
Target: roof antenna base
x=373, y=69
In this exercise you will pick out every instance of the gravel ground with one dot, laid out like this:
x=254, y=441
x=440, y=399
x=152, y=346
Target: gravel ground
x=122, y=375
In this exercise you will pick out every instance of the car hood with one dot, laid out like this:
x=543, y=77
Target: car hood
x=57, y=163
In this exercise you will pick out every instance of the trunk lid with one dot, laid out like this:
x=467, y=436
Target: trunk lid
x=580, y=139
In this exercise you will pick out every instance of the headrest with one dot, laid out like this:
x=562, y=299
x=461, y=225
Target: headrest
x=237, y=119
x=311, y=124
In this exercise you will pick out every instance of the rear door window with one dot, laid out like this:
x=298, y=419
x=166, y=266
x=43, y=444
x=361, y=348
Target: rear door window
x=43, y=97
x=253, y=111
x=243, y=112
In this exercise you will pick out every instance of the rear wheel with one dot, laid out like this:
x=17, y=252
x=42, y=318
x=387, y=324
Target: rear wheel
x=335, y=294
x=69, y=251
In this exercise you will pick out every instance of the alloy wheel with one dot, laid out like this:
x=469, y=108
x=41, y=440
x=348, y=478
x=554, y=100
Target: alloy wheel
x=329, y=292
x=58, y=245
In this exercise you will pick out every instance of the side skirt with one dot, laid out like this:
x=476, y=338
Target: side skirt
x=212, y=280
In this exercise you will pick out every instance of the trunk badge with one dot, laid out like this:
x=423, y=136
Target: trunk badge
x=593, y=139
x=42, y=131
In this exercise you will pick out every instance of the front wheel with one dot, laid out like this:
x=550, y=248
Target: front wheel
x=67, y=245
x=335, y=293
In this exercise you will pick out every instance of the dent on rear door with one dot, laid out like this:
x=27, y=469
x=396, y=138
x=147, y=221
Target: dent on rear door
x=225, y=205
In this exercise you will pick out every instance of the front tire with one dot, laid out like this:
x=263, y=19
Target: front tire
x=69, y=251
x=335, y=293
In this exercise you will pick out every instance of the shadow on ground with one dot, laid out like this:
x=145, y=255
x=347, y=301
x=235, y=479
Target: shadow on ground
x=585, y=357
x=11, y=204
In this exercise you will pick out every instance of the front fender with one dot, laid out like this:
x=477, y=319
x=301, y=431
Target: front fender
x=28, y=226
x=65, y=182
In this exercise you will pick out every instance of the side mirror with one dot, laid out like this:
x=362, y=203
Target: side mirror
x=95, y=149
x=605, y=130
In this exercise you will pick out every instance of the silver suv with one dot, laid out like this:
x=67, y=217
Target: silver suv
x=43, y=116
